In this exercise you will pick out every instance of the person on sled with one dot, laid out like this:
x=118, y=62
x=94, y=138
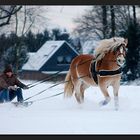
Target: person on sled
x=10, y=86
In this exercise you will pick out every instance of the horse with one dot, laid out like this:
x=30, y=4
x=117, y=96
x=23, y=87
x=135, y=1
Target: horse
x=101, y=69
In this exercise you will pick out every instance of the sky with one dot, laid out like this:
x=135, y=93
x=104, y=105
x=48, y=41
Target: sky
x=49, y=17
x=62, y=16
x=58, y=115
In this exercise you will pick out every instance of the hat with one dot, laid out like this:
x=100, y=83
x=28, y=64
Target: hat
x=8, y=68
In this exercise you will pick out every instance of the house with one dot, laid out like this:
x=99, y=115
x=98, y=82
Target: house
x=52, y=57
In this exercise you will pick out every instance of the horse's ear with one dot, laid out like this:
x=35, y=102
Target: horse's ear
x=114, y=39
x=126, y=41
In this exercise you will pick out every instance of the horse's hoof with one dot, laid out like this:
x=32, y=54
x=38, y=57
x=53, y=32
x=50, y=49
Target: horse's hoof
x=102, y=103
x=116, y=108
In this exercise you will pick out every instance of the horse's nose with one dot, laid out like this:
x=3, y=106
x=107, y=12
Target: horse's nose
x=124, y=61
x=121, y=61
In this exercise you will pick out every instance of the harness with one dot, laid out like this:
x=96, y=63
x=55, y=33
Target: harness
x=102, y=73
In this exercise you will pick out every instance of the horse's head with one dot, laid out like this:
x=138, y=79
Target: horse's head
x=120, y=52
x=112, y=50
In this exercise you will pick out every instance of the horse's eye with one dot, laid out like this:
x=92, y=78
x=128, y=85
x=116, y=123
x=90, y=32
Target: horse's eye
x=117, y=48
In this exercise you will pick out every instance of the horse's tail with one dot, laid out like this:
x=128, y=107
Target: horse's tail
x=68, y=87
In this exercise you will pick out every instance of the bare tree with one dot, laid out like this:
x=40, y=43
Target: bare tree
x=6, y=13
x=19, y=20
x=93, y=23
x=104, y=21
x=24, y=21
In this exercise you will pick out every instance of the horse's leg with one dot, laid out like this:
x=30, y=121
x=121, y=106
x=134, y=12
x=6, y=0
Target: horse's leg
x=115, y=91
x=106, y=95
x=79, y=94
x=82, y=89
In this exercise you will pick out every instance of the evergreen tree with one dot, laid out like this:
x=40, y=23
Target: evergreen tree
x=56, y=34
x=30, y=42
x=132, y=57
x=11, y=56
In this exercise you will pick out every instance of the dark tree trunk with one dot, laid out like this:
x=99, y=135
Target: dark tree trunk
x=134, y=15
x=104, y=9
x=112, y=21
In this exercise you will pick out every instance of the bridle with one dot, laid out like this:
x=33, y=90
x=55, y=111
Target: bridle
x=120, y=56
x=120, y=53
x=117, y=54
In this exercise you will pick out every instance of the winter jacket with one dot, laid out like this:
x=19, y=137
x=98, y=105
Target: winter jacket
x=5, y=81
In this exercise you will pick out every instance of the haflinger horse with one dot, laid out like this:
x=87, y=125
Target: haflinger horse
x=102, y=69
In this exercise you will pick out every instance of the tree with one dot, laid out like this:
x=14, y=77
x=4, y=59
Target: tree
x=19, y=20
x=6, y=13
x=35, y=41
x=103, y=21
x=134, y=14
x=30, y=41
x=76, y=43
x=131, y=69
x=112, y=20
x=41, y=38
x=11, y=55
x=24, y=20
x=121, y=20
x=93, y=23
x=58, y=34
x=104, y=9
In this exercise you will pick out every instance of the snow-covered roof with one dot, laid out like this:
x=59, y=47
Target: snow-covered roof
x=31, y=54
x=37, y=60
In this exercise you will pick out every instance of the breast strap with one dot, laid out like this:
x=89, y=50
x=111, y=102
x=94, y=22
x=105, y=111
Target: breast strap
x=103, y=72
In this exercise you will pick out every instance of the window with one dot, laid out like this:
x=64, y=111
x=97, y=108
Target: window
x=64, y=59
x=68, y=59
x=60, y=59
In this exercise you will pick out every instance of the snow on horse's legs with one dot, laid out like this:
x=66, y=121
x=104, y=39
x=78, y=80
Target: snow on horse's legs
x=105, y=102
x=116, y=102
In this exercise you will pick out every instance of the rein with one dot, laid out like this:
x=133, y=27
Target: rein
x=93, y=71
x=48, y=78
x=49, y=88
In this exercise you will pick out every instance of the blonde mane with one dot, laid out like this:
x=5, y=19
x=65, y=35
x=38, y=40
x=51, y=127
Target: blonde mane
x=107, y=45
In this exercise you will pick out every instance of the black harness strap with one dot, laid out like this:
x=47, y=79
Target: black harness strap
x=109, y=73
x=103, y=72
x=94, y=72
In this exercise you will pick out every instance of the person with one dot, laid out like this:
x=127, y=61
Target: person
x=10, y=86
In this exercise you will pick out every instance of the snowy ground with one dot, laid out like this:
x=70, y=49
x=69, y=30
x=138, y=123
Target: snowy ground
x=64, y=116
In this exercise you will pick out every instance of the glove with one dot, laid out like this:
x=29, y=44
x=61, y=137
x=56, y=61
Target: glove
x=12, y=87
x=25, y=87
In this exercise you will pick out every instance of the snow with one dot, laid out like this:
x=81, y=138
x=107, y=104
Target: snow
x=57, y=115
x=38, y=59
x=42, y=55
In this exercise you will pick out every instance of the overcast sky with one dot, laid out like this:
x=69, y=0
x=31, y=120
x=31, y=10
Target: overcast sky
x=51, y=17
x=62, y=16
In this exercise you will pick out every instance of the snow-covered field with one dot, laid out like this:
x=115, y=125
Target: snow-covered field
x=57, y=115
